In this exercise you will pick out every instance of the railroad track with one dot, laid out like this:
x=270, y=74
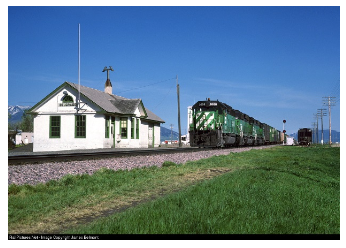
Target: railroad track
x=14, y=159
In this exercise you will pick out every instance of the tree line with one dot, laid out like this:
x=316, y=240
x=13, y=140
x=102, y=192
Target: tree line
x=26, y=124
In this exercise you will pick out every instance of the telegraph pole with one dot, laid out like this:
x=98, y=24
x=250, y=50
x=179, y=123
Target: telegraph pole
x=178, y=94
x=316, y=116
x=321, y=115
x=331, y=102
x=171, y=133
x=314, y=132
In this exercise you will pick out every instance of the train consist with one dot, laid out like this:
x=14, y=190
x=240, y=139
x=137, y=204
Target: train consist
x=216, y=124
x=304, y=136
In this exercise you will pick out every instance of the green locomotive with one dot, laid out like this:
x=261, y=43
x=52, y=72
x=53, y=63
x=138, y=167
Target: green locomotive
x=216, y=124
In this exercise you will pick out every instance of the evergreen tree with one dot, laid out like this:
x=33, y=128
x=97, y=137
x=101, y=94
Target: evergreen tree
x=27, y=123
x=10, y=125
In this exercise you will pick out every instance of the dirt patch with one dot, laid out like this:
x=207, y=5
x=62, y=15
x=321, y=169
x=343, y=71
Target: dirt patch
x=74, y=216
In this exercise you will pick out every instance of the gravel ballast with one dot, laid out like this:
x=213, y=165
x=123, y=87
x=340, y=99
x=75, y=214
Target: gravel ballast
x=41, y=173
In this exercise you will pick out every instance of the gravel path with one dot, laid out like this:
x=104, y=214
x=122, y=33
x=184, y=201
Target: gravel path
x=41, y=173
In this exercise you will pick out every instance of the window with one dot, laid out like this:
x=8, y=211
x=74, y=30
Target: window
x=132, y=128
x=107, y=127
x=67, y=98
x=80, y=130
x=137, y=128
x=123, y=127
x=54, y=130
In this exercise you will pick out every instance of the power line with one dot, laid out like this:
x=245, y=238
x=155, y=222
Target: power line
x=336, y=89
x=146, y=85
x=165, y=96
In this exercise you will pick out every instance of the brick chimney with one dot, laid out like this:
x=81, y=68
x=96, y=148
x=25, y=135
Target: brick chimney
x=108, y=84
x=108, y=87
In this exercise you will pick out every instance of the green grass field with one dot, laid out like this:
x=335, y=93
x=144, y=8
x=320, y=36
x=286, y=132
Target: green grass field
x=282, y=190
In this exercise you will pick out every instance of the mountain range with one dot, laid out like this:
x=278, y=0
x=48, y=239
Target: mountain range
x=335, y=136
x=167, y=134
x=16, y=112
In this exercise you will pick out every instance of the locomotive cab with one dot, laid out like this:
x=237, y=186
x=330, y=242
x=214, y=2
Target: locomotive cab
x=205, y=130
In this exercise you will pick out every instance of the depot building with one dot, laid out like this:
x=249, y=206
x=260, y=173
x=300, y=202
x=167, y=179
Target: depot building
x=77, y=117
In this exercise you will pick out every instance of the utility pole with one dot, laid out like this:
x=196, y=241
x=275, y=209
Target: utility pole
x=314, y=132
x=178, y=94
x=321, y=115
x=331, y=102
x=171, y=133
x=316, y=116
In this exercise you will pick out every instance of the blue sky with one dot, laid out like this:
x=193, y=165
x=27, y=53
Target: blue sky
x=272, y=63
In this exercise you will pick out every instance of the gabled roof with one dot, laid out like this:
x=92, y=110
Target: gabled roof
x=100, y=98
x=153, y=117
x=109, y=103
x=125, y=105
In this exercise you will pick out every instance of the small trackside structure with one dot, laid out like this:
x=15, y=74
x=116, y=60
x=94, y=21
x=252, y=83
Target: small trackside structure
x=98, y=120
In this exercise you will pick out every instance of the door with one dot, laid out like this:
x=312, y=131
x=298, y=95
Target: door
x=113, y=133
x=151, y=135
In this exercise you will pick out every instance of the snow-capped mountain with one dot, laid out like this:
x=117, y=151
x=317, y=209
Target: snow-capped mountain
x=16, y=112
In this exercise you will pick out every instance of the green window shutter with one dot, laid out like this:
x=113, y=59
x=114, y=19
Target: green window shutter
x=132, y=128
x=80, y=126
x=137, y=128
x=107, y=127
x=54, y=126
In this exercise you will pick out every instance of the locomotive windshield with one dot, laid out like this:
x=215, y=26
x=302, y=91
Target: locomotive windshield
x=207, y=106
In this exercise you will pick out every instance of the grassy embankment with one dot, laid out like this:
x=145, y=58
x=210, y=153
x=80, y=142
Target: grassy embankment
x=277, y=190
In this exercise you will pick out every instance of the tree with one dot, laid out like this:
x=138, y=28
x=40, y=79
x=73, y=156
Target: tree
x=27, y=123
x=11, y=126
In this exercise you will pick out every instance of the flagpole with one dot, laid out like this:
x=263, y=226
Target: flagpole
x=78, y=104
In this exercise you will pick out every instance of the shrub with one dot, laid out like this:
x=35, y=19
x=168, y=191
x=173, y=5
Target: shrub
x=168, y=164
